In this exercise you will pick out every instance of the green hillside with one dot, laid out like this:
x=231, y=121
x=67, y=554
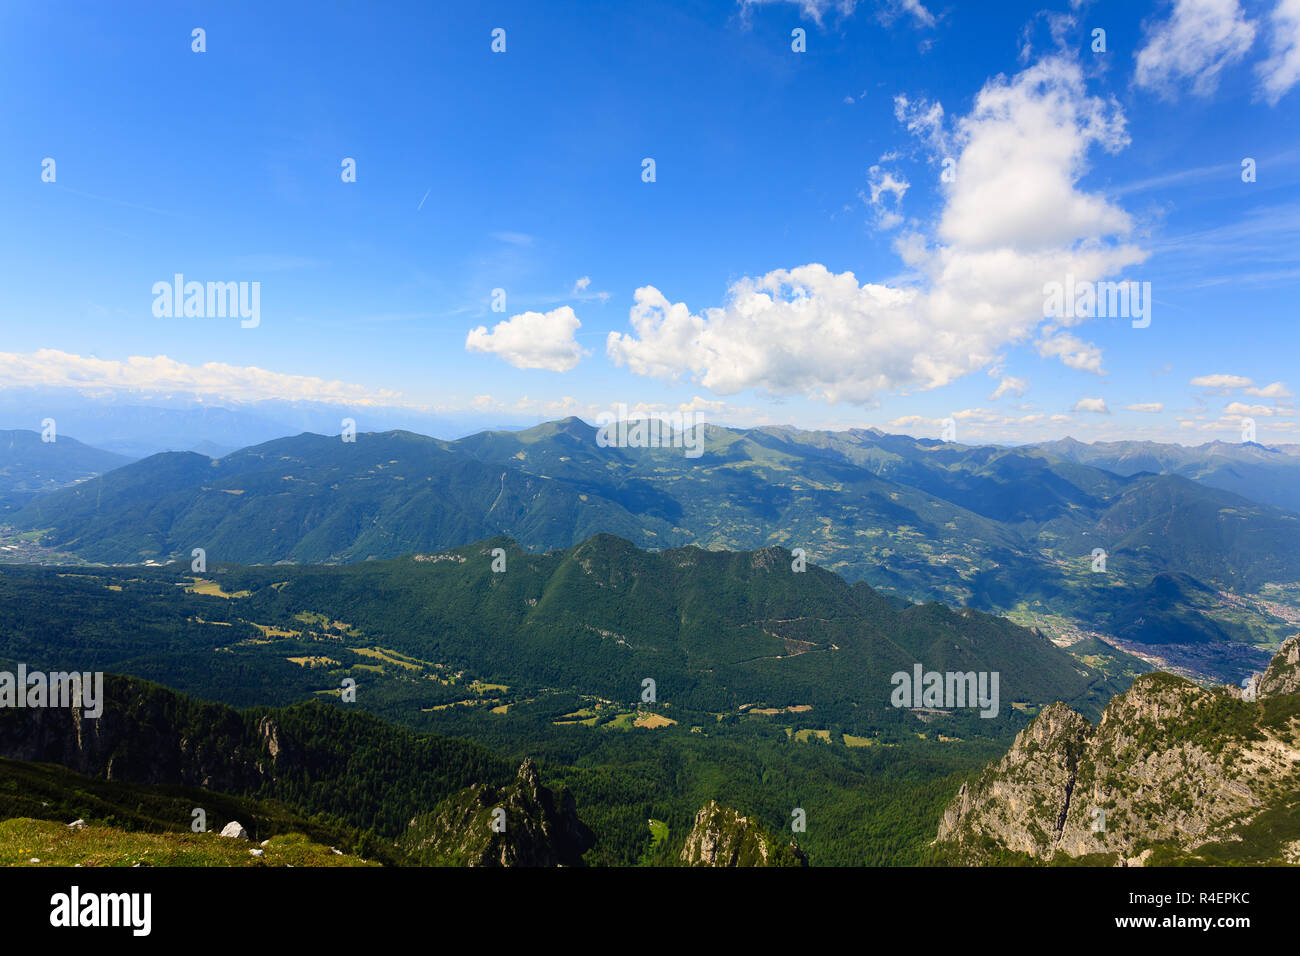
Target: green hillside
x=998, y=529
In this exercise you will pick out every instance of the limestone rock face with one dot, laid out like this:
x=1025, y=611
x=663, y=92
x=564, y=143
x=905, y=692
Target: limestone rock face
x=1038, y=773
x=522, y=824
x=138, y=739
x=1283, y=673
x=1170, y=764
x=722, y=837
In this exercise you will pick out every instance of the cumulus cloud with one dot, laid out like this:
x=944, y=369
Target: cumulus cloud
x=1281, y=71
x=54, y=369
x=1072, y=351
x=1239, y=409
x=1197, y=41
x=1275, y=390
x=1009, y=386
x=1149, y=407
x=1220, y=381
x=581, y=285
x=1094, y=405
x=1014, y=219
x=542, y=340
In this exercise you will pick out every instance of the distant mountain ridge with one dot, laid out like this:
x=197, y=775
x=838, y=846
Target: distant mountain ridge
x=1266, y=473
x=30, y=466
x=994, y=528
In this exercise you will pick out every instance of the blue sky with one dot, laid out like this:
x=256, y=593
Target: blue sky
x=777, y=173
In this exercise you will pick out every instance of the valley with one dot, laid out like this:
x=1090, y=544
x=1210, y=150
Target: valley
x=1193, y=577
x=697, y=658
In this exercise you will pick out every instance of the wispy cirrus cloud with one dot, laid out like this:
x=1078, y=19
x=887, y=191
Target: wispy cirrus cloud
x=1281, y=71
x=887, y=11
x=513, y=238
x=1193, y=45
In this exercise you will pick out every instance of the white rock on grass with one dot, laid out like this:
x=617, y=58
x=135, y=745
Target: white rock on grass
x=235, y=830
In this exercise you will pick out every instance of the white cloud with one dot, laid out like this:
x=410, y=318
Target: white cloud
x=1025, y=150
x=913, y=8
x=1275, y=390
x=1197, y=41
x=1094, y=405
x=1009, y=386
x=1220, y=381
x=923, y=119
x=580, y=291
x=1281, y=71
x=814, y=10
x=1239, y=409
x=54, y=369
x=1014, y=219
x=1149, y=407
x=1072, y=351
x=532, y=340
x=885, y=195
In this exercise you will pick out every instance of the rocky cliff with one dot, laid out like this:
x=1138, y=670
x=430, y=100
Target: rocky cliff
x=314, y=756
x=1173, y=769
x=522, y=824
x=1283, y=673
x=146, y=734
x=722, y=837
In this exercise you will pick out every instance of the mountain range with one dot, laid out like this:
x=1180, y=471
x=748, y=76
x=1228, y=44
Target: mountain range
x=1265, y=473
x=30, y=466
x=1015, y=531
x=715, y=632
